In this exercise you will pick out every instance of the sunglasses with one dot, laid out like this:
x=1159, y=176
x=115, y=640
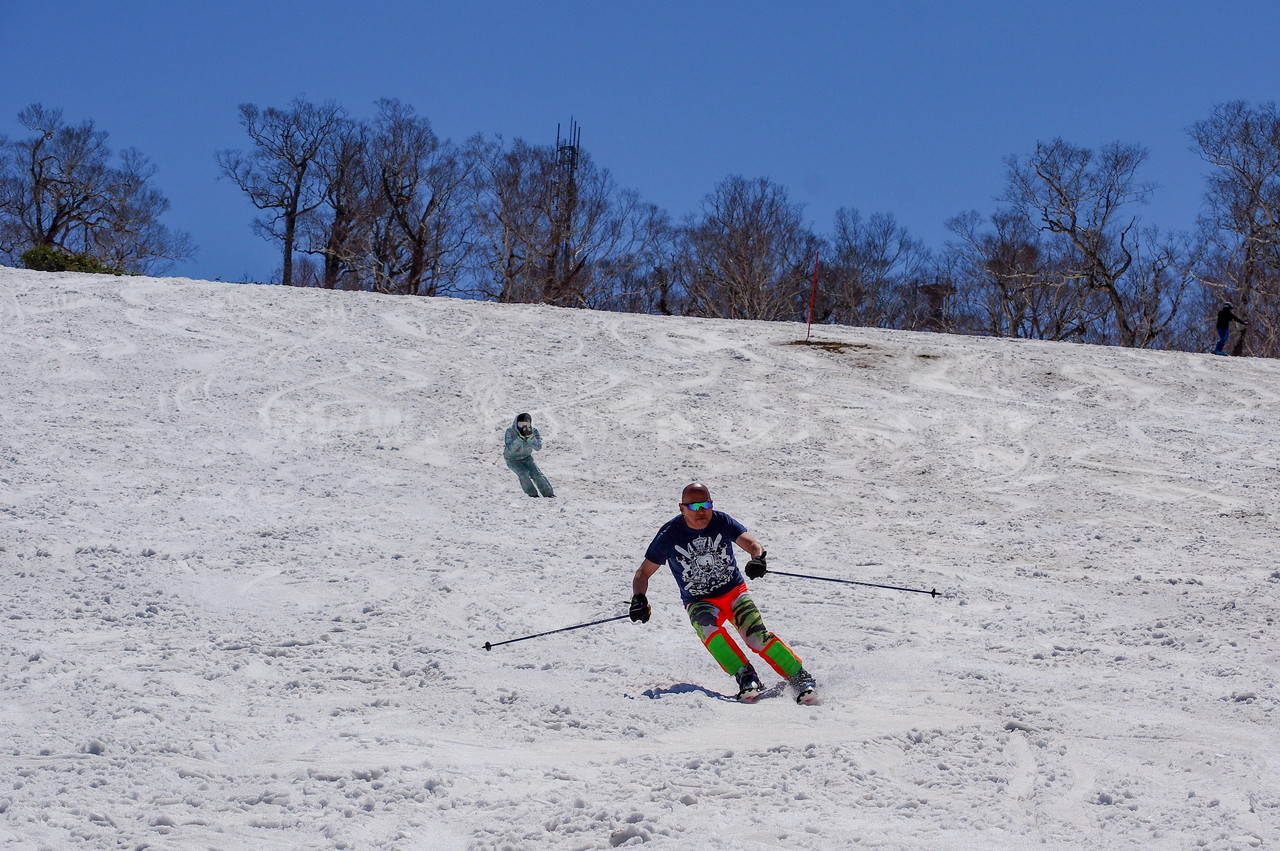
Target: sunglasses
x=696, y=506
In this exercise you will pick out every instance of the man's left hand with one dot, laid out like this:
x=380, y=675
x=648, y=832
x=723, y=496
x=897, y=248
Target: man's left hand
x=757, y=567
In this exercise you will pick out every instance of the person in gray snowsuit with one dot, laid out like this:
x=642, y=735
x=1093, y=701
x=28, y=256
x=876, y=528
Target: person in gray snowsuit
x=520, y=442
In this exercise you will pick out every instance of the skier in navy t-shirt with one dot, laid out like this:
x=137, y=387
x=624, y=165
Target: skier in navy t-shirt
x=698, y=547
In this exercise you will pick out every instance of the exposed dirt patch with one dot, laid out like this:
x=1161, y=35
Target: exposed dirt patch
x=828, y=345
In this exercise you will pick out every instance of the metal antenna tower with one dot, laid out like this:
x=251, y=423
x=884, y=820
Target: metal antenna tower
x=564, y=203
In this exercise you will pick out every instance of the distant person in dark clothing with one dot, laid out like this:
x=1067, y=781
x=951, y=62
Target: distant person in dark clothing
x=1225, y=318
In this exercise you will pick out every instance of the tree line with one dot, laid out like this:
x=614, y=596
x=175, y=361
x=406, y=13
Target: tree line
x=67, y=201
x=385, y=205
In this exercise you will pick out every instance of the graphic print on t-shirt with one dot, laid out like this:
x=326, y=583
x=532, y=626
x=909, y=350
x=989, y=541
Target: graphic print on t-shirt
x=705, y=565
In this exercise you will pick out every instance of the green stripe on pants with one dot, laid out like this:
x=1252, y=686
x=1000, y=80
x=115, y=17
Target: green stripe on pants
x=725, y=652
x=780, y=658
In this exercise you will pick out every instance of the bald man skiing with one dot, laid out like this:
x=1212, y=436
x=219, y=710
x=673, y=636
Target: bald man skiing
x=698, y=547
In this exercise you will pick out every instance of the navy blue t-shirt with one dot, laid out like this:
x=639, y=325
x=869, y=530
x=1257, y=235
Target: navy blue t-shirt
x=701, y=560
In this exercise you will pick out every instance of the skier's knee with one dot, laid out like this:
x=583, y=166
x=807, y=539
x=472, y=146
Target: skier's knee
x=758, y=641
x=703, y=618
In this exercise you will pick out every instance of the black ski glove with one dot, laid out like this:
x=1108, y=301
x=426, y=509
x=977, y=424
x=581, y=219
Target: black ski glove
x=640, y=608
x=756, y=567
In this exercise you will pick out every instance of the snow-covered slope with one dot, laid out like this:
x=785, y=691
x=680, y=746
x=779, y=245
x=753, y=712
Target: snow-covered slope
x=254, y=539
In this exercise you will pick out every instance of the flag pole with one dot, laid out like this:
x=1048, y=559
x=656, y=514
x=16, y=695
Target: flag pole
x=813, y=295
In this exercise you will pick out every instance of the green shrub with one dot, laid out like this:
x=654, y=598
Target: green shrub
x=46, y=258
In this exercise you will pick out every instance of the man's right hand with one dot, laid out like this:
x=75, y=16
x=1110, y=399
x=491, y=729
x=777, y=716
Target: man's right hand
x=640, y=608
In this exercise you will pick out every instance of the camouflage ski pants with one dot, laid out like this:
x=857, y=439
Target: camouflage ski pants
x=708, y=618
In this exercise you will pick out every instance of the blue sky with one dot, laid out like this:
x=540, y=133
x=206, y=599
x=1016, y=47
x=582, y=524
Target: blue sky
x=902, y=107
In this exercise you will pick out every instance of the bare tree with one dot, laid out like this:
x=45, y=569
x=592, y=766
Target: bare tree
x=421, y=179
x=626, y=242
x=130, y=235
x=1014, y=282
x=1160, y=288
x=280, y=174
x=337, y=230
x=1241, y=224
x=748, y=256
x=549, y=235
x=59, y=189
x=614, y=234
x=509, y=187
x=1081, y=197
x=873, y=271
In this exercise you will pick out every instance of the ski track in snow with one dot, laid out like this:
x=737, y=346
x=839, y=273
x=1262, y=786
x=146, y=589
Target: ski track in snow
x=253, y=540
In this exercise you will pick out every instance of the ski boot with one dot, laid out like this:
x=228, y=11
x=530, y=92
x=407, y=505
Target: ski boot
x=805, y=689
x=749, y=687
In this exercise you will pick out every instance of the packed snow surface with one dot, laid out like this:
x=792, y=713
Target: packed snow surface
x=254, y=539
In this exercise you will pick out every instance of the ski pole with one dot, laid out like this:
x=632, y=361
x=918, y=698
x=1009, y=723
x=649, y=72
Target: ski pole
x=490, y=645
x=932, y=592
